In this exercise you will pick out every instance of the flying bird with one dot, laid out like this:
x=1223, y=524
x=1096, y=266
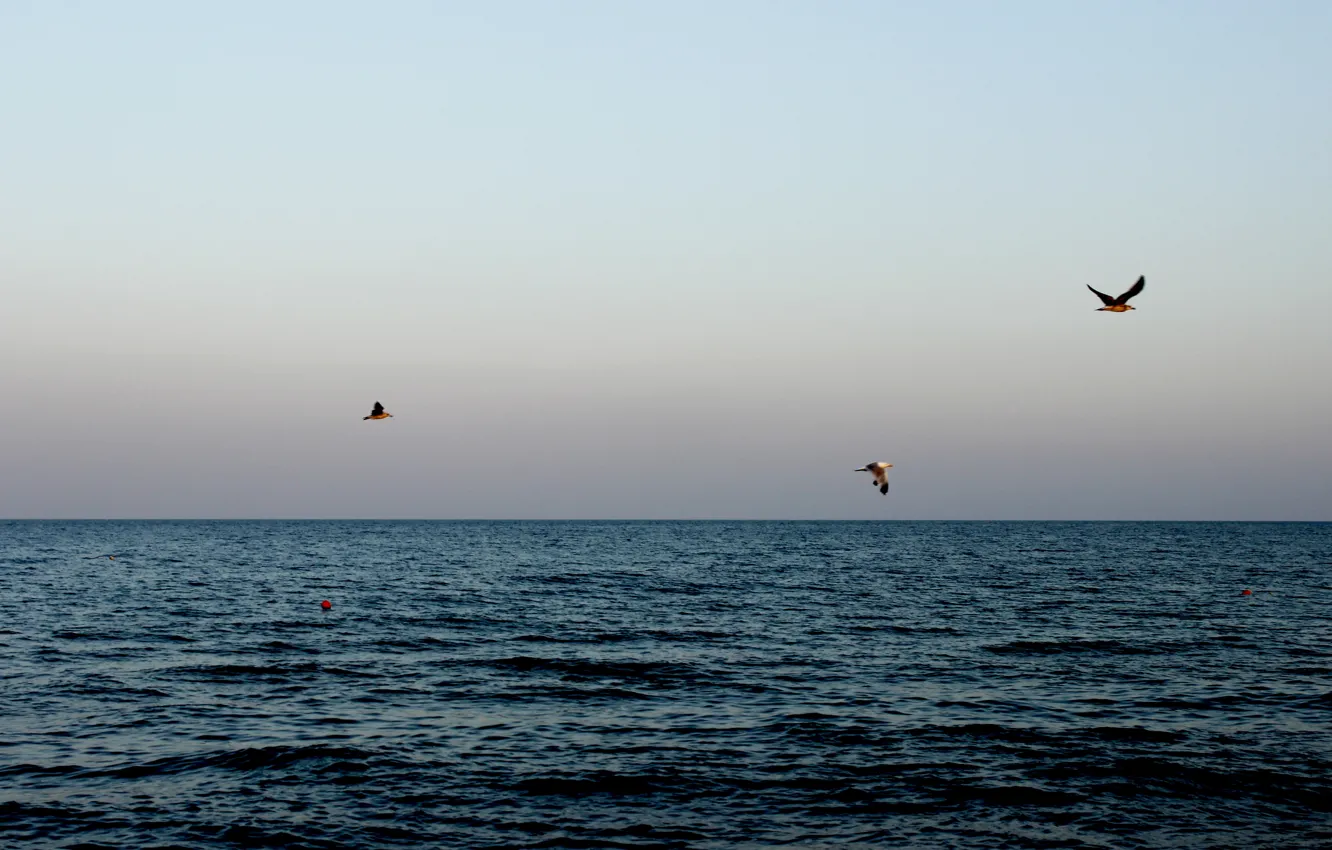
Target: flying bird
x=1120, y=304
x=879, y=470
x=378, y=413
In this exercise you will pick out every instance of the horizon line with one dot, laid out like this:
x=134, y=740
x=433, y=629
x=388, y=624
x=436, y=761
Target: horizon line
x=619, y=519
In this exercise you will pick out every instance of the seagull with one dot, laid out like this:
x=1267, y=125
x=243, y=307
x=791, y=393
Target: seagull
x=879, y=470
x=1120, y=304
x=378, y=413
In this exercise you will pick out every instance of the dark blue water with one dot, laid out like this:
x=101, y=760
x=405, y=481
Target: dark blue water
x=665, y=685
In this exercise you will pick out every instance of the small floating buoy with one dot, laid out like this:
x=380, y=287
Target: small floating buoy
x=1246, y=592
x=112, y=557
x=325, y=604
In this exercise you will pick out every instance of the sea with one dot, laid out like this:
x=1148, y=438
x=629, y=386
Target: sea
x=665, y=685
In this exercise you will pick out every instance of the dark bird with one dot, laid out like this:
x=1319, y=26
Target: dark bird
x=378, y=413
x=1120, y=304
x=879, y=470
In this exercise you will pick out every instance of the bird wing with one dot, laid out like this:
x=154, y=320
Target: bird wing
x=1109, y=301
x=379, y=408
x=1137, y=287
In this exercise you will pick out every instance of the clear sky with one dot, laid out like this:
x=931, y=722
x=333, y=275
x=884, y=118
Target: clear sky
x=698, y=258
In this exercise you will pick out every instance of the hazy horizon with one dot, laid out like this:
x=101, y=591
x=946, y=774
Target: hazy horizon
x=680, y=261
x=649, y=520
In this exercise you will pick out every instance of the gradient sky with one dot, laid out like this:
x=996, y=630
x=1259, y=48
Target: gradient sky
x=685, y=259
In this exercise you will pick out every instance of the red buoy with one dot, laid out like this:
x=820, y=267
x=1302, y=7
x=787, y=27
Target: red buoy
x=325, y=604
x=1246, y=592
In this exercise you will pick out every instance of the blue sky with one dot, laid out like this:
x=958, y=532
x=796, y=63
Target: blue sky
x=692, y=259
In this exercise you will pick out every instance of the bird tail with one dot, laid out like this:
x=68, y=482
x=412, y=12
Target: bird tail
x=884, y=488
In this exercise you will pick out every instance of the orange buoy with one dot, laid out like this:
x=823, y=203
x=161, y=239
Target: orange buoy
x=1246, y=592
x=325, y=604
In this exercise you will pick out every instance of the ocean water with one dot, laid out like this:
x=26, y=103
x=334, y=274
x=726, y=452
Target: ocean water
x=665, y=685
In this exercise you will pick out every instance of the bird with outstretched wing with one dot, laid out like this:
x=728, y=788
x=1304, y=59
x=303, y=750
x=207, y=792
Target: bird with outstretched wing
x=1120, y=304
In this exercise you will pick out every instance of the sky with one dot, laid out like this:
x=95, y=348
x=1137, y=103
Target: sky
x=693, y=259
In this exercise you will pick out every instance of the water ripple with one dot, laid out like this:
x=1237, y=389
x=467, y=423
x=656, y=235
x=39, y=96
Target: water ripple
x=665, y=685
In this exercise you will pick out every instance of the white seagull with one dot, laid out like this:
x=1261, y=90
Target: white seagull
x=879, y=470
